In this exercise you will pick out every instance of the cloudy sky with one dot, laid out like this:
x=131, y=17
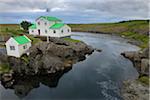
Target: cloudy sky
x=74, y=11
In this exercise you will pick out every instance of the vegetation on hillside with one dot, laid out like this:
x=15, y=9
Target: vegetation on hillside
x=136, y=29
x=5, y=68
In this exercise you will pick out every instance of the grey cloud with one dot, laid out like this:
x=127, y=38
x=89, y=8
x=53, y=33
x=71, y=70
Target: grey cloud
x=120, y=8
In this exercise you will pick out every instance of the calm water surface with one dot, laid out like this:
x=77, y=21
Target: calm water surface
x=97, y=77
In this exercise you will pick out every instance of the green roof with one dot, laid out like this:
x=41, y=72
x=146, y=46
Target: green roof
x=33, y=26
x=49, y=18
x=57, y=25
x=22, y=39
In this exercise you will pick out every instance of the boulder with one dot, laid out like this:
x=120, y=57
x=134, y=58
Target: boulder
x=140, y=60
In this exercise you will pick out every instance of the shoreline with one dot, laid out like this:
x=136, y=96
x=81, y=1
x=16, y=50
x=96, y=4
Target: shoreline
x=131, y=41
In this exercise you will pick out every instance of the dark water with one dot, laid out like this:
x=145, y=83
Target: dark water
x=97, y=77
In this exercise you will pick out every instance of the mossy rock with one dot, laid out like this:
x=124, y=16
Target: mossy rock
x=144, y=79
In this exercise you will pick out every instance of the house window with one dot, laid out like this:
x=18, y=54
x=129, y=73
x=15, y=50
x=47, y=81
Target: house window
x=62, y=31
x=38, y=23
x=54, y=31
x=45, y=31
x=45, y=23
x=25, y=46
x=32, y=31
x=12, y=47
x=68, y=30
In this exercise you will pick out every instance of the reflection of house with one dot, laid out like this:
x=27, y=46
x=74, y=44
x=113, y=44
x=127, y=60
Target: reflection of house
x=16, y=46
x=49, y=26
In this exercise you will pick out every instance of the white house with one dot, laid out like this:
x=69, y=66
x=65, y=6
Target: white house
x=16, y=46
x=49, y=26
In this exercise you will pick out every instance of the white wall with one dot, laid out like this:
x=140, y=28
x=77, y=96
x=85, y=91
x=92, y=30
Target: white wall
x=22, y=50
x=33, y=31
x=12, y=42
x=43, y=27
x=18, y=48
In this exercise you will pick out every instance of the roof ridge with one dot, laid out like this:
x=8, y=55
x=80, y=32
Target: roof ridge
x=50, y=18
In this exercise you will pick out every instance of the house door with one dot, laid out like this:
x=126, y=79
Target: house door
x=39, y=31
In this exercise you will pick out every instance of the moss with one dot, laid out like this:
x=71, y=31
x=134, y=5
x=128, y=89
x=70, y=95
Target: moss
x=25, y=58
x=4, y=68
x=71, y=40
x=144, y=79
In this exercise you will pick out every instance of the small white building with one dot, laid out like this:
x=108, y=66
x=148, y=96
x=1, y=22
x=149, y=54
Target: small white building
x=16, y=46
x=49, y=26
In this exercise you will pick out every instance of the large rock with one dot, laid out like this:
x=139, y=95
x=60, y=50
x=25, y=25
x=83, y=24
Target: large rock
x=46, y=58
x=140, y=60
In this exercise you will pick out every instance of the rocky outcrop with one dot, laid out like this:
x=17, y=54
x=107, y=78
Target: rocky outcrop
x=134, y=90
x=46, y=58
x=140, y=60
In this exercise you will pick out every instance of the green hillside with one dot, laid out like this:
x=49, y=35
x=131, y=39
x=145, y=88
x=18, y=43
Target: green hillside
x=135, y=29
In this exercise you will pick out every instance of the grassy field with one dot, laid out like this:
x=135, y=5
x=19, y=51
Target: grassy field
x=136, y=29
x=15, y=30
x=10, y=29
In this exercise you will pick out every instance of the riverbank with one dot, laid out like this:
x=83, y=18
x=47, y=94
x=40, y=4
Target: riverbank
x=136, y=31
x=138, y=89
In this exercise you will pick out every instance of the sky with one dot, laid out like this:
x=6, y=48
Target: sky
x=74, y=11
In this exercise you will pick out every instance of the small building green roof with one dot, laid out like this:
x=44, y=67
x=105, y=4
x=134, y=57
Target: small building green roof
x=57, y=25
x=22, y=39
x=33, y=26
x=50, y=18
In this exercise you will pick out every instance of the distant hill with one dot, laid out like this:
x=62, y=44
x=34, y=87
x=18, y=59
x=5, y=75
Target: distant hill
x=135, y=26
x=133, y=29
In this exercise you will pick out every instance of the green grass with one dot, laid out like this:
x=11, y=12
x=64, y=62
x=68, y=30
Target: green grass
x=10, y=29
x=4, y=68
x=71, y=40
x=144, y=79
x=139, y=37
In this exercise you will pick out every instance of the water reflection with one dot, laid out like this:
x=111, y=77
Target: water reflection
x=22, y=85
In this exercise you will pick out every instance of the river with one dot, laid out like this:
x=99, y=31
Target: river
x=98, y=77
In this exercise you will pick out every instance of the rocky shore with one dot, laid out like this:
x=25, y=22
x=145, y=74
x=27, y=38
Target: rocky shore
x=137, y=89
x=47, y=58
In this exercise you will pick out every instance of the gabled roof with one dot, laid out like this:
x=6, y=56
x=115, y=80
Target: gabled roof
x=22, y=39
x=50, y=18
x=33, y=26
x=57, y=25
